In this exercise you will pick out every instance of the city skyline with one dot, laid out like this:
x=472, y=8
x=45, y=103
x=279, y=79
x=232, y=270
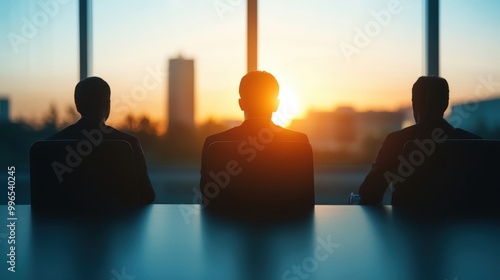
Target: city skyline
x=316, y=51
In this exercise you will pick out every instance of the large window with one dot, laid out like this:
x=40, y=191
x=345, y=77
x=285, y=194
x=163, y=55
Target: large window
x=345, y=69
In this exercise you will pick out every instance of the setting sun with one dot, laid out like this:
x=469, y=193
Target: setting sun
x=289, y=107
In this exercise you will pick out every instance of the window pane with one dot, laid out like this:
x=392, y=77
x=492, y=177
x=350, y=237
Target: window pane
x=38, y=72
x=469, y=61
x=132, y=48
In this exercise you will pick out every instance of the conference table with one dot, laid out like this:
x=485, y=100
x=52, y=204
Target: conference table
x=184, y=242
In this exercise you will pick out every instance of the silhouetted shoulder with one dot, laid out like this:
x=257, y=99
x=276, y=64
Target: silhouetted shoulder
x=70, y=132
x=418, y=131
x=81, y=130
x=232, y=134
x=274, y=132
x=464, y=134
x=283, y=134
x=120, y=135
x=402, y=135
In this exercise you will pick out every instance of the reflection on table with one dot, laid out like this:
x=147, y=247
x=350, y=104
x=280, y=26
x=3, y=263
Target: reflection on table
x=183, y=242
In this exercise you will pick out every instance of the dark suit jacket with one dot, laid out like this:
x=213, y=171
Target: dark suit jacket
x=93, y=127
x=373, y=187
x=250, y=130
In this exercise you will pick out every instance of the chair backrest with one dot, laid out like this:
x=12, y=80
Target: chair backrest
x=457, y=174
x=276, y=179
x=75, y=173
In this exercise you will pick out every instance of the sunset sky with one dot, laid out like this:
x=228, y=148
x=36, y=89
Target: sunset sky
x=303, y=43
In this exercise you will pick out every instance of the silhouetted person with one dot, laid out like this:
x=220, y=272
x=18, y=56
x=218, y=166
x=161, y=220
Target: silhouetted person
x=258, y=100
x=429, y=100
x=92, y=99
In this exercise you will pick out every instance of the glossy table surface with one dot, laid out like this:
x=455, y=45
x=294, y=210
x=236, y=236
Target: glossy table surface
x=183, y=242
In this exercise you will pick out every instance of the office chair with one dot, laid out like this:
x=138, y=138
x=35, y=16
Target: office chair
x=77, y=174
x=458, y=174
x=277, y=180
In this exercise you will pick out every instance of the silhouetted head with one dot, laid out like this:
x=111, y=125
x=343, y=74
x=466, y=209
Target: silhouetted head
x=259, y=94
x=430, y=96
x=92, y=98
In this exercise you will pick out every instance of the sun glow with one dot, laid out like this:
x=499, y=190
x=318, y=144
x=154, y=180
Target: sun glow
x=288, y=109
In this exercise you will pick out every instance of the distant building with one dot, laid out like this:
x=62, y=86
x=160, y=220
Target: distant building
x=346, y=129
x=181, y=94
x=4, y=110
x=477, y=117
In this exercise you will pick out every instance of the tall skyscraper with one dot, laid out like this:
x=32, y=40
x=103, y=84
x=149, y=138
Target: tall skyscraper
x=181, y=94
x=4, y=110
